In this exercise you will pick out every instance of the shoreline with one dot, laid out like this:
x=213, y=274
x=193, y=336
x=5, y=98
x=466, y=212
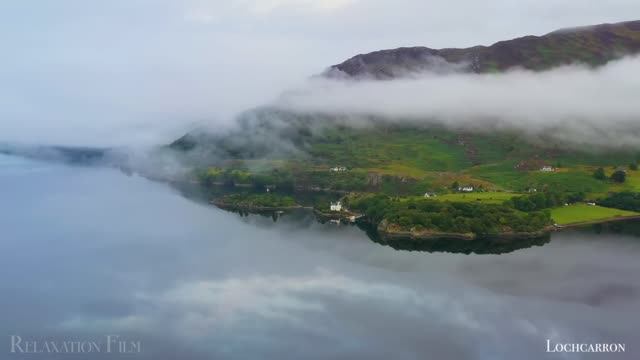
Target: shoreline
x=227, y=206
x=387, y=234
x=392, y=234
x=595, y=222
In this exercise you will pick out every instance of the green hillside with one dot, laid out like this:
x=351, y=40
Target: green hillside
x=419, y=175
x=412, y=160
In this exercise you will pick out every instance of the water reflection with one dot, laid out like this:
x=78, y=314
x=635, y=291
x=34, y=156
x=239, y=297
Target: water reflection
x=479, y=246
x=456, y=246
x=88, y=252
x=616, y=227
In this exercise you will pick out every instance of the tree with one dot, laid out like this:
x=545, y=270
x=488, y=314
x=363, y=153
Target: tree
x=576, y=197
x=599, y=174
x=622, y=200
x=619, y=176
x=455, y=185
x=539, y=201
x=633, y=166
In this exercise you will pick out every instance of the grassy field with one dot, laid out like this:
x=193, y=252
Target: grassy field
x=411, y=152
x=579, y=213
x=433, y=158
x=574, y=179
x=485, y=197
x=442, y=156
x=631, y=184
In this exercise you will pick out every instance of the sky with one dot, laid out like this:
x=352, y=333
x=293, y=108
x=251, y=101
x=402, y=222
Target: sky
x=131, y=72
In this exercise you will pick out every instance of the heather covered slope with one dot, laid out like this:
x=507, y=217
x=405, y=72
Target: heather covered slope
x=593, y=45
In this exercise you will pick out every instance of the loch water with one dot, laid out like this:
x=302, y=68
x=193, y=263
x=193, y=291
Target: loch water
x=92, y=255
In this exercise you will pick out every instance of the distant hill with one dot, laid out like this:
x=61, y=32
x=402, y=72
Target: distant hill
x=502, y=159
x=418, y=178
x=591, y=45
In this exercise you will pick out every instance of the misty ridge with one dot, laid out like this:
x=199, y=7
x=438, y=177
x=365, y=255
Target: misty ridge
x=574, y=106
x=568, y=107
x=572, y=88
x=518, y=87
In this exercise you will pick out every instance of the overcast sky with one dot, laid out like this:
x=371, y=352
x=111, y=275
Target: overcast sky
x=142, y=71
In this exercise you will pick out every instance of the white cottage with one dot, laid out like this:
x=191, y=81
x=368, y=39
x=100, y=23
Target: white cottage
x=336, y=206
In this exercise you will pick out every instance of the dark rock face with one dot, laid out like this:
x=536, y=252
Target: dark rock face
x=594, y=46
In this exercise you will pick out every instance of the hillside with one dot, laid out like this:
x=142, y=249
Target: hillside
x=410, y=160
x=493, y=184
x=593, y=45
x=414, y=177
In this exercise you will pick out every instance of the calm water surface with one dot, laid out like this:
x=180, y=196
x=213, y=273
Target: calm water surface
x=91, y=252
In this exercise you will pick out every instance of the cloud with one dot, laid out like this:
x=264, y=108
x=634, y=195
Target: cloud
x=331, y=312
x=278, y=298
x=200, y=16
x=268, y=311
x=267, y=6
x=213, y=12
x=571, y=103
x=143, y=72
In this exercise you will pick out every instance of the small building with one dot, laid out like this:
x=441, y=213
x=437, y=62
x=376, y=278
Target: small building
x=336, y=206
x=338, y=169
x=591, y=204
x=547, y=168
x=467, y=188
x=429, y=195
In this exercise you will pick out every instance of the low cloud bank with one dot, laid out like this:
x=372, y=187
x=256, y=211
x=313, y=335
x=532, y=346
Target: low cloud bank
x=571, y=106
x=574, y=104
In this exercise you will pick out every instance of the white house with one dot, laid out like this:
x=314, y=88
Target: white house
x=338, y=169
x=429, y=195
x=336, y=206
x=465, y=188
x=547, y=169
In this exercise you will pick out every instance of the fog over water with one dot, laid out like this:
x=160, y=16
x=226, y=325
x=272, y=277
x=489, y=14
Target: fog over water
x=88, y=252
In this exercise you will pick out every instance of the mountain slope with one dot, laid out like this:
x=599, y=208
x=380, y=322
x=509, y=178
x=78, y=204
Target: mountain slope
x=415, y=156
x=593, y=45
